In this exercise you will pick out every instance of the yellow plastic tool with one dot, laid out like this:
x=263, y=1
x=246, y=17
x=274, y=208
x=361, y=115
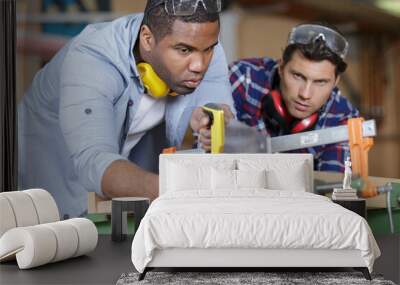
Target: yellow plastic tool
x=216, y=114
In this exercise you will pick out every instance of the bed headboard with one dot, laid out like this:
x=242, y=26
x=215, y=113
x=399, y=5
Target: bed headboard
x=284, y=164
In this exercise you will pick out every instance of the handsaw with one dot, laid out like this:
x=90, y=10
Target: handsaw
x=241, y=138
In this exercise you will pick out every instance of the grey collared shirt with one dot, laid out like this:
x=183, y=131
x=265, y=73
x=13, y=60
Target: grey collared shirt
x=72, y=120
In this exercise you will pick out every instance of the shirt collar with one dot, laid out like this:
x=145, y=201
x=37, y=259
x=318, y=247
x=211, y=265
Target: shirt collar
x=275, y=78
x=135, y=34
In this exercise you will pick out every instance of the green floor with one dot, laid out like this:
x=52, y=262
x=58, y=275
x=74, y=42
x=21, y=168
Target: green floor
x=103, y=223
x=377, y=219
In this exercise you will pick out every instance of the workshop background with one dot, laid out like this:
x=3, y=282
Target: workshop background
x=255, y=28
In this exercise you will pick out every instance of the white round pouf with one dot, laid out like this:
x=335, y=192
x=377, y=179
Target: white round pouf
x=23, y=207
x=67, y=240
x=33, y=246
x=45, y=205
x=87, y=235
x=7, y=217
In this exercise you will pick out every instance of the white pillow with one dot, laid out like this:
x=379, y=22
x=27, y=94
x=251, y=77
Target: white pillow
x=227, y=179
x=291, y=179
x=188, y=177
x=251, y=178
x=223, y=179
x=281, y=173
x=194, y=174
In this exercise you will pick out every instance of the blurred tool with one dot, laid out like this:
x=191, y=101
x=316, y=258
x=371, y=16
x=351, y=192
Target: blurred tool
x=359, y=147
x=217, y=125
x=387, y=188
x=217, y=129
x=240, y=138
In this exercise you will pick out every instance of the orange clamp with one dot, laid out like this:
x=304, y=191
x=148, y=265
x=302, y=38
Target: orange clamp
x=359, y=147
x=171, y=149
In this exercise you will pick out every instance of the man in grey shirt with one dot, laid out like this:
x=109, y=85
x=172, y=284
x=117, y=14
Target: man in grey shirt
x=91, y=122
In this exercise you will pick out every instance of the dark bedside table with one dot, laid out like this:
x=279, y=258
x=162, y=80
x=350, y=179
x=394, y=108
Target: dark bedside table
x=357, y=206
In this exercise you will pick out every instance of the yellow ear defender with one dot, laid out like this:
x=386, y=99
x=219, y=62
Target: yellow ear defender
x=155, y=86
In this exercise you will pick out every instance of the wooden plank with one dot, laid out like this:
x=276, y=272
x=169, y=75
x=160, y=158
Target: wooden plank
x=98, y=205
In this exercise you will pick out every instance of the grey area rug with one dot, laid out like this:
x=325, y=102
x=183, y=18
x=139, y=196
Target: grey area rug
x=228, y=278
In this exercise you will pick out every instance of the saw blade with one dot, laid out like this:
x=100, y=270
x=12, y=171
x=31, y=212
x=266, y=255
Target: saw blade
x=241, y=138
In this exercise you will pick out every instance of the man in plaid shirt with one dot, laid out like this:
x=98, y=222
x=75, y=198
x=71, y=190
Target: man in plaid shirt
x=298, y=92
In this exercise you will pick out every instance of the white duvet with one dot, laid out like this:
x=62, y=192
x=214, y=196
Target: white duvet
x=250, y=219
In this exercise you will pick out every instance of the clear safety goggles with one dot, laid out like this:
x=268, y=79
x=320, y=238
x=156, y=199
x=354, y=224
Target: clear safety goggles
x=309, y=33
x=189, y=7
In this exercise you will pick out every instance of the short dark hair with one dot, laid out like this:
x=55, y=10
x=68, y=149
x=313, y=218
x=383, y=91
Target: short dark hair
x=160, y=23
x=316, y=51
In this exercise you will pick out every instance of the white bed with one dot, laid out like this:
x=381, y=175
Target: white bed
x=247, y=210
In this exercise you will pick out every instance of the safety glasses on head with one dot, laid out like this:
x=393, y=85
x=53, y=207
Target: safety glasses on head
x=309, y=33
x=188, y=7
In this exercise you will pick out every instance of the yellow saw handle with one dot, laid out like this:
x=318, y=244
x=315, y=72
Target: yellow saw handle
x=216, y=114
